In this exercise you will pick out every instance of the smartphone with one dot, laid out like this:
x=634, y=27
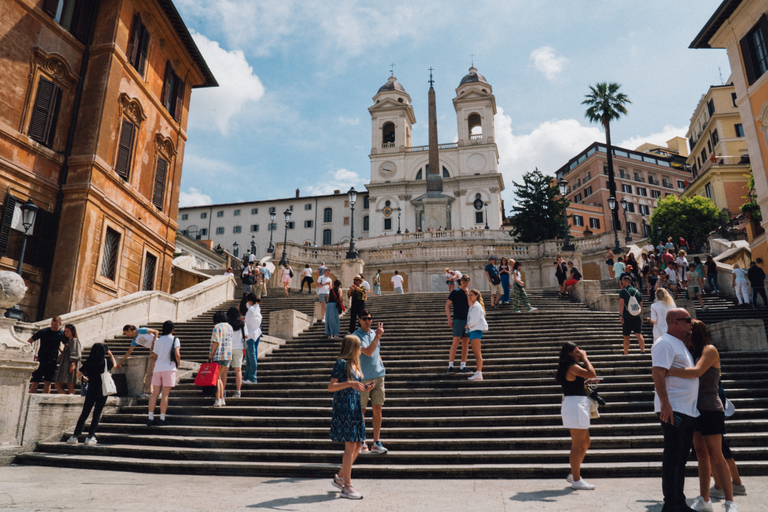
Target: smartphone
x=370, y=386
x=676, y=420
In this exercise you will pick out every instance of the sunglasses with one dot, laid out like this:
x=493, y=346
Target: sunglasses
x=686, y=319
x=366, y=319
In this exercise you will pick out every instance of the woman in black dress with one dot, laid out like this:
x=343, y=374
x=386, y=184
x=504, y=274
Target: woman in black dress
x=94, y=398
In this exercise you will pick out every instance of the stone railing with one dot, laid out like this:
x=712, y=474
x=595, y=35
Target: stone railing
x=97, y=323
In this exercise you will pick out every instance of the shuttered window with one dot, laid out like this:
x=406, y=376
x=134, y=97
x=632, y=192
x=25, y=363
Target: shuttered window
x=173, y=92
x=125, y=149
x=75, y=16
x=5, y=228
x=45, y=112
x=109, y=257
x=150, y=264
x=139, y=45
x=158, y=194
x=754, y=50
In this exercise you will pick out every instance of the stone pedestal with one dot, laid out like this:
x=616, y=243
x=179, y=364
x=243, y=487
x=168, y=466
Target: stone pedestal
x=135, y=368
x=14, y=401
x=739, y=336
x=349, y=269
x=436, y=212
x=288, y=323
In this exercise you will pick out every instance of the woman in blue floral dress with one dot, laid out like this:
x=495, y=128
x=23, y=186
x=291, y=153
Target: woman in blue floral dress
x=347, y=423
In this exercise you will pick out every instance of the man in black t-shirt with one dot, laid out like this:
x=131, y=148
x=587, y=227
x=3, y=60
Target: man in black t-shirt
x=458, y=323
x=48, y=353
x=756, y=277
x=631, y=323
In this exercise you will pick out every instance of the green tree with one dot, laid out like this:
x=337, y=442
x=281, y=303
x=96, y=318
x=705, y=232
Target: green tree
x=605, y=104
x=539, y=212
x=691, y=218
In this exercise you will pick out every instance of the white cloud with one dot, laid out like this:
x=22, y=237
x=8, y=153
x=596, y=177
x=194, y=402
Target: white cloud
x=349, y=121
x=658, y=138
x=214, y=108
x=200, y=165
x=545, y=60
x=549, y=146
x=193, y=198
x=340, y=179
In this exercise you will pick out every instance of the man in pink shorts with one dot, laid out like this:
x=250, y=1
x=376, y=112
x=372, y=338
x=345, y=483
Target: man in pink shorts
x=166, y=356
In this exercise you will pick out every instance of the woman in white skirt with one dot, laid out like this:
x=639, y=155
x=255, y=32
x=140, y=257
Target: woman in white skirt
x=575, y=409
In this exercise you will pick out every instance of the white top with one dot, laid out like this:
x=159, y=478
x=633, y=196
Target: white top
x=476, y=318
x=237, y=337
x=649, y=248
x=397, y=281
x=516, y=276
x=671, y=274
x=669, y=352
x=253, y=321
x=449, y=276
x=659, y=316
x=456, y=275
x=307, y=272
x=741, y=275
x=229, y=274
x=366, y=285
x=163, y=351
x=286, y=271
x=251, y=258
x=323, y=285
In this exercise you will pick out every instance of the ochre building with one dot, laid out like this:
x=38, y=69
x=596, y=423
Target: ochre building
x=93, y=110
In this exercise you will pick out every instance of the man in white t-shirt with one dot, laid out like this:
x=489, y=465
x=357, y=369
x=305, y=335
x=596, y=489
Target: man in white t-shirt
x=649, y=248
x=367, y=286
x=397, y=282
x=323, y=289
x=253, y=319
x=675, y=403
x=164, y=376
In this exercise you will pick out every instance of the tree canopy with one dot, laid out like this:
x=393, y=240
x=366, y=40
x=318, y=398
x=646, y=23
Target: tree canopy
x=691, y=218
x=539, y=212
x=605, y=103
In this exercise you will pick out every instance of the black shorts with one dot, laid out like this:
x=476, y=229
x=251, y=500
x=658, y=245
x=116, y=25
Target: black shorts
x=46, y=372
x=560, y=280
x=632, y=324
x=710, y=423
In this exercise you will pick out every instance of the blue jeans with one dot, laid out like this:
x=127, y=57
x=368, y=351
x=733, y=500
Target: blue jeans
x=677, y=447
x=713, y=284
x=505, y=285
x=251, y=353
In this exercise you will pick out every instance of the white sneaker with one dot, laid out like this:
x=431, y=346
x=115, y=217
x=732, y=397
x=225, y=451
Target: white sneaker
x=569, y=478
x=338, y=482
x=218, y=402
x=364, y=449
x=90, y=441
x=350, y=492
x=582, y=485
x=532, y=309
x=237, y=395
x=702, y=506
x=72, y=440
x=477, y=376
x=730, y=506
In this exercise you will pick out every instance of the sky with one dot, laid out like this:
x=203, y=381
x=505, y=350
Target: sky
x=297, y=77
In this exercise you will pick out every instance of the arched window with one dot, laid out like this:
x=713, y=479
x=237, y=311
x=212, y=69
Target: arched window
x=388, y=135
x=327, y=237
x=328, y=215
x=419, y=175
x=475, y=127
x=446, y=174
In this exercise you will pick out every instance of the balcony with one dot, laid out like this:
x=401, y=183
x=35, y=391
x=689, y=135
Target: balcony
x=639, y=179
x=416, y=149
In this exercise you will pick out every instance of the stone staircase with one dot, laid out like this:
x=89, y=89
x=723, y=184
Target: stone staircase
x=436, y=425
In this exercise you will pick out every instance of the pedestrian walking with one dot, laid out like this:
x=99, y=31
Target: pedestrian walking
x=373, y=372
x=69, y=358
x=458, y=323
x=265, y=272
x=334, y=308
x=323, y=289
x=397, y=283
x=99, y=360
x=377, y=282
x=50, y=339
x=286, y=278
x=696, y=286
x=739, y=284
x=356, y=293
x=505, y=274
x=618, y=270
x=609, y=260
x=710, y=425
x=631, y=314
x=476, y=325
x=572, y=376
x=253, y=320
x=239, y=335
x=347, y=421
x=167, y=356
x=521, y=296
x=221, y=353
x=675, y=403
x=756, y=277
x=494, y=280
x=246, y=276
x=307, y=278
x=659, y=310
x=710, y=271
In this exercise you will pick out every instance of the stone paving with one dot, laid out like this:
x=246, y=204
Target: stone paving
x=26, y=488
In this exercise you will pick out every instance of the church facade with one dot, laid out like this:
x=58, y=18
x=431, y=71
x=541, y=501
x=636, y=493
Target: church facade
x=468, y=167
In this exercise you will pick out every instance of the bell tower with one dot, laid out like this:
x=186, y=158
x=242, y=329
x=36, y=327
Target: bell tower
x=391, y=118
x=475, y=107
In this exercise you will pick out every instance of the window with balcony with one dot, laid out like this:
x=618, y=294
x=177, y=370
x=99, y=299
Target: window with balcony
x=680, y=184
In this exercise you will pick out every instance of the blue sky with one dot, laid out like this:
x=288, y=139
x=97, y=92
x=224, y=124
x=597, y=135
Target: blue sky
x=297, y=78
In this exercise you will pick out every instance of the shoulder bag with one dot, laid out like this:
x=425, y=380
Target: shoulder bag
x=108, y=387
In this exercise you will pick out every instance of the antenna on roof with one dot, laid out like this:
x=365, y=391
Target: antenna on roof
x=721, y=75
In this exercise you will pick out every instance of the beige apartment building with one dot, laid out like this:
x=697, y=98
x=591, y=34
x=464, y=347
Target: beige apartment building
x=642, y=176
x=719, y=158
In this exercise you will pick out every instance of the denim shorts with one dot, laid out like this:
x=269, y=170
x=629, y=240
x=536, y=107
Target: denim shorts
x=459, y=328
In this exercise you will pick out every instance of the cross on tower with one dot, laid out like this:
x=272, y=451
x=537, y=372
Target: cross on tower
x=472, y=56
x=392, y=69
x=431, y=82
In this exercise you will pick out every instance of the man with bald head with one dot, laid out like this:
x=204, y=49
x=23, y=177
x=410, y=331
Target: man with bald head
x=675, y=403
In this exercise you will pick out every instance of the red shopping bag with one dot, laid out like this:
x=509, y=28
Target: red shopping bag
x=208, y=374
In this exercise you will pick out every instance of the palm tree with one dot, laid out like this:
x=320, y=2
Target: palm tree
x=606, y=104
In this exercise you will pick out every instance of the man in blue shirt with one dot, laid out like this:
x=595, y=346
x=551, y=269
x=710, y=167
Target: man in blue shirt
x=373, y=371
x=267, y=274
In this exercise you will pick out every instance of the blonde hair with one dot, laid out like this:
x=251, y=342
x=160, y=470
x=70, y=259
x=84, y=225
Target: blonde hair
x=350, y=352
x=681, y=253
x=665, y=298
x=479, y=297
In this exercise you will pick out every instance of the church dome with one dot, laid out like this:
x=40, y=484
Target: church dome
x=473, y=76
x=392, y=85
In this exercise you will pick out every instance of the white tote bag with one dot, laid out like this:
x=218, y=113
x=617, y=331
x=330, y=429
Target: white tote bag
x=108, y=387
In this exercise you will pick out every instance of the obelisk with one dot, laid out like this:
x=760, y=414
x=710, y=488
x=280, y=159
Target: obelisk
x=434, y=202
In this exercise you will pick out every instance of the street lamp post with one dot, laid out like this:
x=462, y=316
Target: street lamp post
x=28, y=216
x=567, y=245
x=271, y=248
x=486, y=216
x=253, y=245
x=398, y=220
x=235, y=251
x=628, y=237
x=645, y=226
x=612, y=205
x=284, y=258
x=352, y=253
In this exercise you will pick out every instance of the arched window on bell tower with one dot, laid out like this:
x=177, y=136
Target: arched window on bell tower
x=388, y=135
x=475, y=126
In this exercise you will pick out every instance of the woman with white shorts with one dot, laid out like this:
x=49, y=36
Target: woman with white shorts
x=575, y=409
